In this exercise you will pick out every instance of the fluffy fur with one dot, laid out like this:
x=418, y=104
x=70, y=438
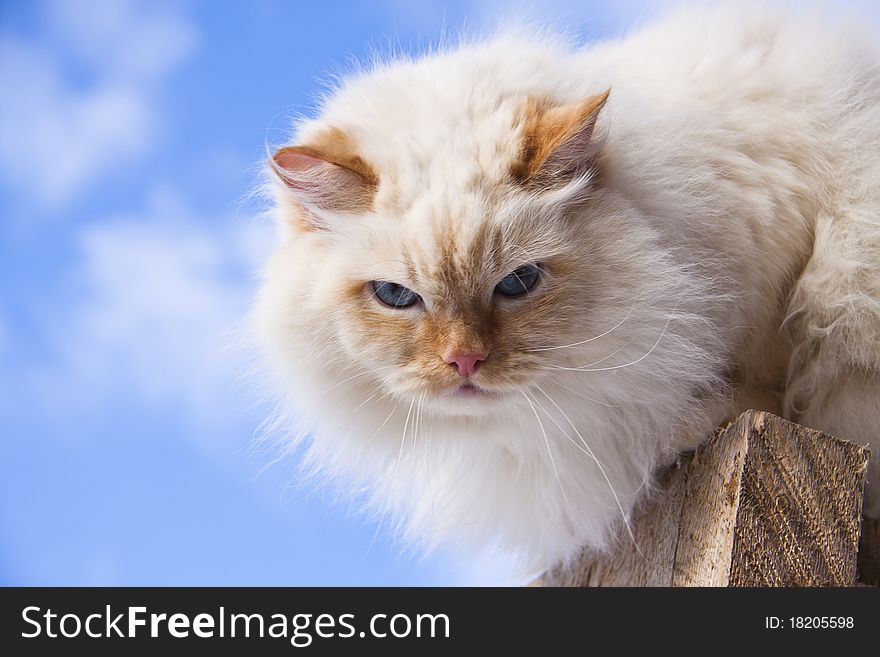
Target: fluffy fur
x=710, y=241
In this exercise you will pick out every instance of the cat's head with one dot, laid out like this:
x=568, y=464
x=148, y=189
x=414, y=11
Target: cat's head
x=437, y=248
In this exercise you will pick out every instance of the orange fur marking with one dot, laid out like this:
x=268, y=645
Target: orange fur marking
x=546, y=128
x=337, y=147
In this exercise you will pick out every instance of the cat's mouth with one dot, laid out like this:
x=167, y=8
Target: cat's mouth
x=471, y=390
x=469, y=399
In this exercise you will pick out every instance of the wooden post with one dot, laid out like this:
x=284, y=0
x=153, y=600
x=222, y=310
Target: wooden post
x=765, y=503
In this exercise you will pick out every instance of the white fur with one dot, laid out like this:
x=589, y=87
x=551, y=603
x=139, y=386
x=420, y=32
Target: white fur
x=738, y=226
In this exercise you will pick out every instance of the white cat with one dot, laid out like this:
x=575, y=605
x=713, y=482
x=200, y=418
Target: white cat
x=505, y=295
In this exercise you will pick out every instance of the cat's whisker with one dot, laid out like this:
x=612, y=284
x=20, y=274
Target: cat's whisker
x=428, y=443
x=403, y=436
x=356, y=376
x=588, y=368
x=382, y=426
x=580, y=394
x=363, y=403
x=343, y=363
x=596, y=337
x=414, y=428
x=592, y=455
x=547, y=443
x=417, y=424
x=611, y=355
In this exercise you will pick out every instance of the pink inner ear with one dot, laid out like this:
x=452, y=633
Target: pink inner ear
x=320, y=182
x=312, y=178
x=300, y=171
x=291, y=161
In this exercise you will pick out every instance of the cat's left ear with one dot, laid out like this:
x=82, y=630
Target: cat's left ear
x=559, y=143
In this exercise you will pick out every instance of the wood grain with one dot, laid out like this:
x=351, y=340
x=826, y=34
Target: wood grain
x=801, y=505
x=765, y=503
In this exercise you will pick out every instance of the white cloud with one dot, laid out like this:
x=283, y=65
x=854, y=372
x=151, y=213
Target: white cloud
x=63, y=131
x=152, y=312
x=123, y=39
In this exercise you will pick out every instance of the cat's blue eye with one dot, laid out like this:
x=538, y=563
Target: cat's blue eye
x=519, y=281
x=394, y=295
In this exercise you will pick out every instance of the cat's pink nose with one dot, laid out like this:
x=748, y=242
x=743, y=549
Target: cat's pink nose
x=465, y=363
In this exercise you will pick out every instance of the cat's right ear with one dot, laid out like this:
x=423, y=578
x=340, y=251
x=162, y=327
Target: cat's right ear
x=325, y=181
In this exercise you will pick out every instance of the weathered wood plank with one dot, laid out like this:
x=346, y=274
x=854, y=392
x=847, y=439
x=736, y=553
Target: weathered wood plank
x=712, y=492
x=801, y=505
x=765, y=503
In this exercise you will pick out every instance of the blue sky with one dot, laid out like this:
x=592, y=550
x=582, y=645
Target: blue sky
x=130, y=137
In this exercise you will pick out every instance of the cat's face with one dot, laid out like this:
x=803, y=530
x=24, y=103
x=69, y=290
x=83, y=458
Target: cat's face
x=452, y=311
x=454, y=292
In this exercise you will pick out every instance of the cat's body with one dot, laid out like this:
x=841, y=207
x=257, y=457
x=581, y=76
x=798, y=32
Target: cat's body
x=707, y=239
